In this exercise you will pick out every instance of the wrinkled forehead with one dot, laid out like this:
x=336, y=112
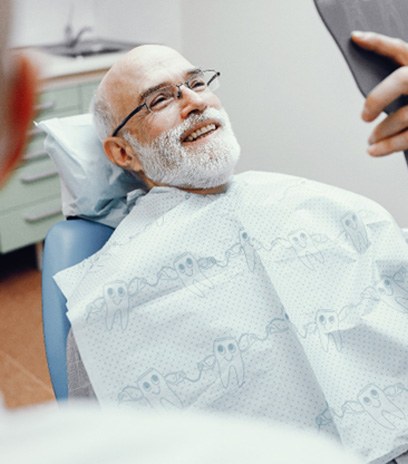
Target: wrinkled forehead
x=146, y=67
x=153, y=63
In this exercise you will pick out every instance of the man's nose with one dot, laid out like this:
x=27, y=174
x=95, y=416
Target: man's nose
x=191, y=102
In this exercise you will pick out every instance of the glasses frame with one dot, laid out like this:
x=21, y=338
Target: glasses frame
x=141, y=106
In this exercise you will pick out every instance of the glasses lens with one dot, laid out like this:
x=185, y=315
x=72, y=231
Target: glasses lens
x=160, y=98
x=163, y=97
x=203, y=80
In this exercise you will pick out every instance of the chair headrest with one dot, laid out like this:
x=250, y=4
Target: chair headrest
x=92, y=187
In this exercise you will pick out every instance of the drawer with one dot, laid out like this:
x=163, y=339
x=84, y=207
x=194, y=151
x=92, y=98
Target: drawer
x=34, y=149
x=29, y=224
x=34, y=181
x=52, y=102
x=87, y=93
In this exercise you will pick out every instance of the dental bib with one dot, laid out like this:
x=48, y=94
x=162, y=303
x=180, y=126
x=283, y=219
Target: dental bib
x=282, y=299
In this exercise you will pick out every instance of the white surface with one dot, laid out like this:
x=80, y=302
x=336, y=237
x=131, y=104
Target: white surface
x=82, y=434
x=52, y=66
x=43, y=21
x=148, y=21
x=201, y=302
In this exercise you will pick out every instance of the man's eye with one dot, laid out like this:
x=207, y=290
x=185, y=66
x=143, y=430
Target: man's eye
x=197, y=84
x=160, y=101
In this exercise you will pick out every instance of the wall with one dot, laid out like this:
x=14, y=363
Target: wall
x=43, y=21
x=292, y=100
x=157, y=21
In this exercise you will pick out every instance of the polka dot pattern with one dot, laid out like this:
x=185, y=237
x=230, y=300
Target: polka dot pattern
x=282, y=298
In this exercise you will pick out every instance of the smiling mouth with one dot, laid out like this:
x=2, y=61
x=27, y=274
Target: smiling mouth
x=201, y=132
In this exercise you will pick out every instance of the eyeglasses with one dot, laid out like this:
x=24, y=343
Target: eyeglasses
x=161, y=98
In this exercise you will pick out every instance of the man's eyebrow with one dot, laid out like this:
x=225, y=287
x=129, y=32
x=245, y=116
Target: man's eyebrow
x=152, y=89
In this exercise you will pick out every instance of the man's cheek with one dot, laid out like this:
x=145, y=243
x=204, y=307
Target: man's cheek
x=162, y=124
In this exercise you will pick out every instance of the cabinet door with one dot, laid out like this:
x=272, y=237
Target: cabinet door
x=29, y=224
x=30, y=202
x=59, y=101
x=31, y=183
x=87, y=92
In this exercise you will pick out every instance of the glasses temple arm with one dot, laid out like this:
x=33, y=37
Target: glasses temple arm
x=124, y=121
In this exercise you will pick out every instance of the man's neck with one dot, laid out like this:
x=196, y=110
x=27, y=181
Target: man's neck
x=208, y=191
x=199, y=191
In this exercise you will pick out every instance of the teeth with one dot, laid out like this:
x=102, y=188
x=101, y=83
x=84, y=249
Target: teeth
x=203, y=130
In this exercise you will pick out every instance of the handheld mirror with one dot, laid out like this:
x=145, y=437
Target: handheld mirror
x=389, y=17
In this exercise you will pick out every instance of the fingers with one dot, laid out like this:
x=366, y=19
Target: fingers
x=389, y=145
x=391, y=135
x=390, y=126
x=393, y=48
x=392, y=87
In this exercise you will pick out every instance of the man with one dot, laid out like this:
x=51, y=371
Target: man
x=251, y=294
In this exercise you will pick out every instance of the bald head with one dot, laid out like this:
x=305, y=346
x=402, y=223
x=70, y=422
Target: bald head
x=119, y=90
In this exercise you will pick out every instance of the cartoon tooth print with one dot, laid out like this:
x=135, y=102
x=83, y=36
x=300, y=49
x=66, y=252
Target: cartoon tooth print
x=248, y=249
x=229, y=360
x=278, y=324
x=117, y=304
x=355, y=231
x=302, y=333
x=327, y=323
x=401, y=278
x=390, y=293
x=376, y=403
x=190, y=274
x=156, y=391
x=305, y=248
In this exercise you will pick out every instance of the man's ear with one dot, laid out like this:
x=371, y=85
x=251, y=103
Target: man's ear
x=120, y=153
x=19, y=111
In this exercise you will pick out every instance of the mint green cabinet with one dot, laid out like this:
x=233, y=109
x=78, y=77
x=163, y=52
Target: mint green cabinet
x=30, y=201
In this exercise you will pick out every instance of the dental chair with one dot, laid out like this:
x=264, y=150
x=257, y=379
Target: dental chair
x=93, y=193
x=67, y=243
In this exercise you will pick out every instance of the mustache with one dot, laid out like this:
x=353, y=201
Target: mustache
x=208, y=114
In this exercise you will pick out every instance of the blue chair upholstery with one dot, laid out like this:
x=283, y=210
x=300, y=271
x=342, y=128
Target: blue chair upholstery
x=67, y=243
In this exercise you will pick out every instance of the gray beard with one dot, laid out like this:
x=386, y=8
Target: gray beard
x=211, y=164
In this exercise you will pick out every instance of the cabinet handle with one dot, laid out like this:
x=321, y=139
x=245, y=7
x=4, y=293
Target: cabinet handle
x=35, y=155
x=35, y=217
x=30, y=178
x=45, y=106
